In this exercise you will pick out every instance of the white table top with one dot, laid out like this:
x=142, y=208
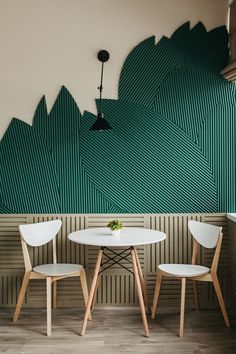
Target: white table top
x=129, y=236
x=231, y=216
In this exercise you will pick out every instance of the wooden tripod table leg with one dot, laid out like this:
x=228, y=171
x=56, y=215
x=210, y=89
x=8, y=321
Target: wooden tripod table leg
x=140, y=294
x=142, y=281
x=92, y=291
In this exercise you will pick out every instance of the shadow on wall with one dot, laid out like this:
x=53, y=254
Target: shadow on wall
x=171, y=149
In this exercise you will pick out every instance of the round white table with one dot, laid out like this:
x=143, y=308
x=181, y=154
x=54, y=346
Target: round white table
x=129, y=237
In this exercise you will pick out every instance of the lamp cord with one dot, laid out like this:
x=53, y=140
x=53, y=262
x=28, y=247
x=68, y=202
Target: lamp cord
x=100, y=88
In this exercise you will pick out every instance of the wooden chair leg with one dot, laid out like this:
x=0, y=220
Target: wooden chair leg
x=140, y=294
x=49, y=305
x=84, y=289
x=182, y=307
x=21, y=296
x=91, y=294
x=220, y=299
x=196, y=297
x=156, y=294
x=54, y=299
x=142, y=281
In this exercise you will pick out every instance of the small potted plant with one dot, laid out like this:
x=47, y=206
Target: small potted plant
x=115, y=226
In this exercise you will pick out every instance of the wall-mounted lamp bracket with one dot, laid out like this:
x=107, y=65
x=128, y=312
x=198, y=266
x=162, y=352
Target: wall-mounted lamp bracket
x=101, y=123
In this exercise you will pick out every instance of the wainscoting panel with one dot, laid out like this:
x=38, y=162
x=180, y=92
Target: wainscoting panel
x=232, y=263
x=232, y=293
x=117, y=287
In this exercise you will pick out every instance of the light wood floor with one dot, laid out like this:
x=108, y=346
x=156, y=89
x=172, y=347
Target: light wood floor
x=115, y=331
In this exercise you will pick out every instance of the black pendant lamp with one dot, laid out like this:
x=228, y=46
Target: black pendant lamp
x=101, y=123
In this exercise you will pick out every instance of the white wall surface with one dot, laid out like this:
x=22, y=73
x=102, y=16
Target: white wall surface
x=48, y=43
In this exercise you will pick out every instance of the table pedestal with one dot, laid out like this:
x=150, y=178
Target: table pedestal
x=139, y=280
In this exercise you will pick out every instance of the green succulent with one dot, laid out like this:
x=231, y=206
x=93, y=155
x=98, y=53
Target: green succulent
x=115, y=225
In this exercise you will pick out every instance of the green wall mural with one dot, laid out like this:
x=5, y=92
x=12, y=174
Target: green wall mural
x=172, y=146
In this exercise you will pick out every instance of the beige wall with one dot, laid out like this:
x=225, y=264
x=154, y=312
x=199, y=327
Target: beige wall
x=47, y=43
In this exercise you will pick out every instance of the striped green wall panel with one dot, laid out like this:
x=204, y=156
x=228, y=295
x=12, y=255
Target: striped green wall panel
x=187, y=97
x=41, y=169
x=215, y=42
x=152, y=166
x=61, y=132
x=27, y=172
x=92, y=199
x=5, y=210
x=199, y=45
x=40, y=120
x=77, y=194
x=146, y=68
x=218, y=144
x=186, y=38
x=171, y=149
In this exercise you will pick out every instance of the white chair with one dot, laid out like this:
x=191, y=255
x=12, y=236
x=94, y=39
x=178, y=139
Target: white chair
x=208, y=236
x=39, y=234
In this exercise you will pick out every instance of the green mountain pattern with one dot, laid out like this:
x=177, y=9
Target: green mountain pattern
x=171, y=148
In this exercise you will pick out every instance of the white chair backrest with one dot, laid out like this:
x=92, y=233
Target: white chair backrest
x=205, y=234
x=39, y=234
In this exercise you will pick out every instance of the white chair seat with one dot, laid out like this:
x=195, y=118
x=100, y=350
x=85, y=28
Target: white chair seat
x=184, y=270
x=57, y=269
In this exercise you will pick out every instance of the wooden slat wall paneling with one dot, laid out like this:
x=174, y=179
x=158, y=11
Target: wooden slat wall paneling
x=232, y=293
x=209, y=293
x=232, y=264
x=116, y=290
x=11, y=260
x=117, y=286
x=10, y=246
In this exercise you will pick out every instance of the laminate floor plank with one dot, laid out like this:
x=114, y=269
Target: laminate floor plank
x=115, y=331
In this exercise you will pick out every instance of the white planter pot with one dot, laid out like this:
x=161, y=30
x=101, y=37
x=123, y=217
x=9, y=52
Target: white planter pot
x=115, y=232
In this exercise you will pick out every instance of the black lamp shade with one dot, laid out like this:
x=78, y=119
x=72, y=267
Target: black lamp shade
x=100, y=123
